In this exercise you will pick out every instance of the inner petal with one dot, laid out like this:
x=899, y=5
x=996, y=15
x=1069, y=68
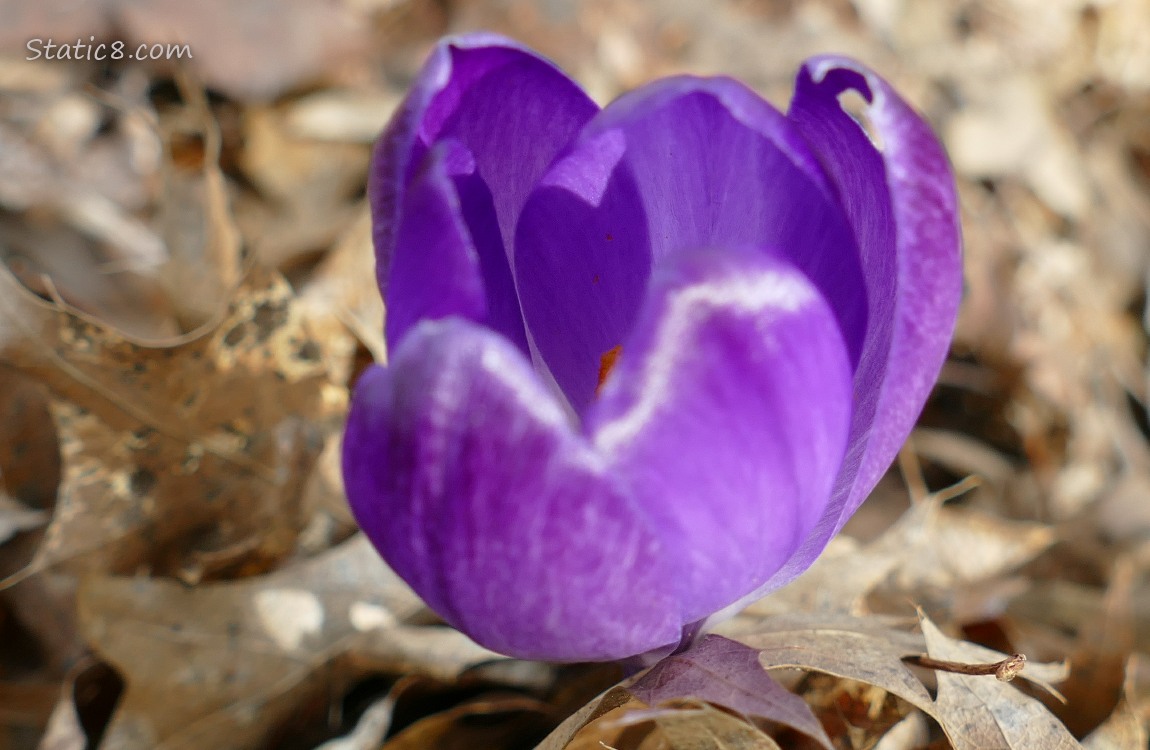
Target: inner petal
x=582, y=261
x=715, y=165
x=679, y=165
x=513, y=118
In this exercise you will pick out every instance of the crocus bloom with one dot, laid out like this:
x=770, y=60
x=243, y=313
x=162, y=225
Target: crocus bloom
x=645, y=360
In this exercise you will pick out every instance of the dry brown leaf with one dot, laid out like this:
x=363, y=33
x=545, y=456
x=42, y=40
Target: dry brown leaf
x=1124, y=730
x=982, y=713
x=187, y=458
x=307, y=188
x=567, y=733
x=854, y=713
x=369, y=731
x=29, y=453
x=223, y=664
x=342, y=115
x=87, y=697
x=16, y=518
x=871, y=651
x=930, y=547
x=868, y=651
x=701, y=726
x=1128, y=727
x=911, y=733
x=487, y=723
x=194, y=216
x=839, y=581
x=945, y=547
x=344, y=287
x=677, y=725
x=136, y=238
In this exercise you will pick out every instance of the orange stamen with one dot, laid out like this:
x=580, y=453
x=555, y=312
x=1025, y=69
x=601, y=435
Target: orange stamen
x=606, y=364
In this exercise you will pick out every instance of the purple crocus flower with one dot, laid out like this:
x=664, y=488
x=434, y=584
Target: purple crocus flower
x=645, y=360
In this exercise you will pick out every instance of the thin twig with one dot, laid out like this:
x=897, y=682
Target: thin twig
x=1005, y=670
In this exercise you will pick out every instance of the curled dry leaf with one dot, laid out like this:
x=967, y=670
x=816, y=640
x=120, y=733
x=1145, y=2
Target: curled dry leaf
x=222, y=665
x=186, y=458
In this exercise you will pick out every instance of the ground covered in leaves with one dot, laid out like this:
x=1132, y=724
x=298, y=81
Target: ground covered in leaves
x=186, y=294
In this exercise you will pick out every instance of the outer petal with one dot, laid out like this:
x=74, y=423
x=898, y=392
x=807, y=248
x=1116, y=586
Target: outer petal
x=682, y=163
x=508, y=110
x=901, y=202
x=464, y=472
x=728, y=413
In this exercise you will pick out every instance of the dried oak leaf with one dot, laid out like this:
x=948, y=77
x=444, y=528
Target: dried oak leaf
x=870, y=650
x=930, y=546
x=567, y=734
x=675, y=725
x=701, y=726
x=187, y=457
x=867, y=650
x=982, y=713
x=224, y=664
x=486, y=722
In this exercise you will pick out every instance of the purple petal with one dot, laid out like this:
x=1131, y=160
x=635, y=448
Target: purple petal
x=727, y=413
x=680, y=164
x=510, y=111
x=466, y=474
x=583, y=261
x=902, y=205
x=435, y=268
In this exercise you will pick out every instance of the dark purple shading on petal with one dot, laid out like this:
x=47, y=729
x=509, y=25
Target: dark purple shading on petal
x=727, y=414
x=509, y=112
x=435, y=268
x=903, y=207
x=681, y=163
x=583, y=261
x=464, y=471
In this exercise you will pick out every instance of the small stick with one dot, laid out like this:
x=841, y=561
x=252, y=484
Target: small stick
x=1005, y=670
